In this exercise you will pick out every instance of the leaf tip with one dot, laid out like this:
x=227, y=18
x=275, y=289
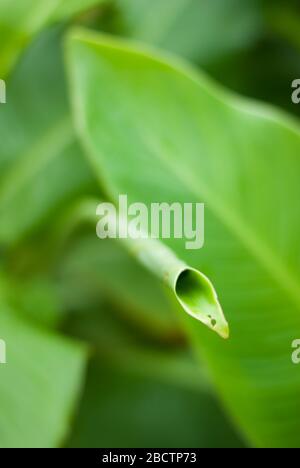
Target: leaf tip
x=198, y=298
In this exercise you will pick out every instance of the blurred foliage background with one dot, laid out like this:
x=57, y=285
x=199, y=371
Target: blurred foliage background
x=96, y=354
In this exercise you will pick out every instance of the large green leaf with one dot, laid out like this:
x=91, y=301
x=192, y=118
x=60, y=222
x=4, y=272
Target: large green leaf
x=159, y=131
x=39, y=384
x=41, y=165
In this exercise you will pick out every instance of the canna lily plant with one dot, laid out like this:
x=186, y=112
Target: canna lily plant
x=121, y=342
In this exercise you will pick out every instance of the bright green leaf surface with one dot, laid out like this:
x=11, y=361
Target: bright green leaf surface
x=39, y=385
x=152, y=125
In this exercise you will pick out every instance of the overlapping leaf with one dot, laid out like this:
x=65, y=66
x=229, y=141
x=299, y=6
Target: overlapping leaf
x=20, y=20
x=41, y=164
x=146, y=412
x=188, y=27
x=39, y=384
x=93, y=267
x=158, y=131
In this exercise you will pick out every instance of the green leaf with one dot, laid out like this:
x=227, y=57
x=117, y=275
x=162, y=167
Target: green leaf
x=21, y=20
x=158, y=130
x=284, y=19
x=39, y=384
x=146, y=412
x=91, y=268
x=113, y=338
x=193, y=290
x=41, y=164
x=29, y=294
x=68, y=8
x=18, y=22
x=202, y=31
